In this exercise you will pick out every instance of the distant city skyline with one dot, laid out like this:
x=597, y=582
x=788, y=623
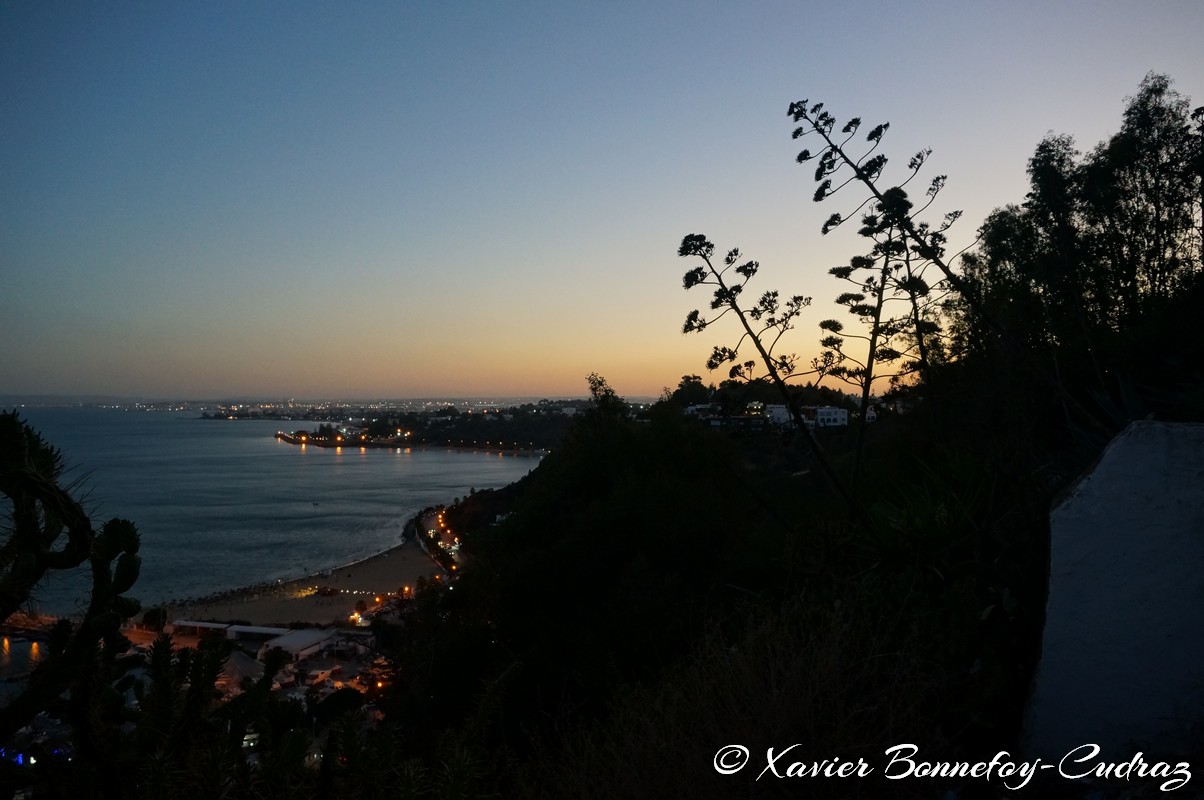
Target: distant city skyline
x=17, y=401
x=377, y=200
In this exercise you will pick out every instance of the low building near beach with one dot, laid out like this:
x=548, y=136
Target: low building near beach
x=300, y=643
x=190, y=627
x=238, y=668
x=199, y=628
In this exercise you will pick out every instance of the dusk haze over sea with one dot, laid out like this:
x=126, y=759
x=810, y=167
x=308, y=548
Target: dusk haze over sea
x=407, y=199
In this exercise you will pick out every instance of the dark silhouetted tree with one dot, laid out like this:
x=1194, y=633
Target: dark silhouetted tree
x=690, y=391
x=604, y=403
x=763, y=326
x=1081, y=270
x=892, y=207
x=904, y=246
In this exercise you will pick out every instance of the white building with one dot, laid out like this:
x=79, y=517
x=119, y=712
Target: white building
x=830, y=416
x=778, y=414
x=815, y=416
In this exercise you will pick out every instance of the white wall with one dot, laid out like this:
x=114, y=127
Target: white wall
x=1122, y=661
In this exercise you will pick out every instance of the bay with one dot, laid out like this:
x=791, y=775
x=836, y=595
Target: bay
x=222, y=504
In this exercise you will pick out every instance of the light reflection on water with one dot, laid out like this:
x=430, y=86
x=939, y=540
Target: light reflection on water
x=18, y=656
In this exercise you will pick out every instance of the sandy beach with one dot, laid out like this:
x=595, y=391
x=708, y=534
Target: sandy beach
x=298, y=601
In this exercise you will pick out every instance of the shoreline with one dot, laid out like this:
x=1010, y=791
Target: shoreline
x=297, y=600
x=369, y=444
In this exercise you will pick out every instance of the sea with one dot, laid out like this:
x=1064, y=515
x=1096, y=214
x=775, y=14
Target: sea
x=222, y=504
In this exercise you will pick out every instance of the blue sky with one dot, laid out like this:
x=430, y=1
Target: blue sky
x=414, y=199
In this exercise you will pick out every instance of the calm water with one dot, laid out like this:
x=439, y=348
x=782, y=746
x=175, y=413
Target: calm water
x=223, y=504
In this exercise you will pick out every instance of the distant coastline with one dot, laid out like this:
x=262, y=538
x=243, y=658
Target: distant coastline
x=306, y=440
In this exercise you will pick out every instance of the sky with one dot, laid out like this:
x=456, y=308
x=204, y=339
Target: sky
x=421, y=199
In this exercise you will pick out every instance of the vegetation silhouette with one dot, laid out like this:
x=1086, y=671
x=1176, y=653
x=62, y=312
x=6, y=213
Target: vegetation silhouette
x=48, y=530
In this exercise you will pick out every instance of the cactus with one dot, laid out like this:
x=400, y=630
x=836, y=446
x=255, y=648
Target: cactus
x=50, y=532
x=126, y=606
x=125, y=572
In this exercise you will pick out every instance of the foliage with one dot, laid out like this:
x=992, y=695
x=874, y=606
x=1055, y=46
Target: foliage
x=903, y=250
x=605, y=571
x=923, y=630
x=813, y=674
x=48, y=530
x=773, y=318
x=604, y=404
x=690, y=391
x=1087, y=271
x=763, y=324
x=891, y=208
